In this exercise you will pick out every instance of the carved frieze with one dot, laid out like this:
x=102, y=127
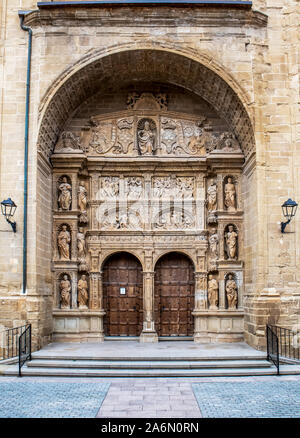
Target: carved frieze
x=155, y=134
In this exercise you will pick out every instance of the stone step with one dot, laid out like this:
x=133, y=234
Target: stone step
x=127, y=364
x=40, y=356
x=73, y=372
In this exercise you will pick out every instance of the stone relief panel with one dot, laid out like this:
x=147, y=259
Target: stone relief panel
x=147, y=129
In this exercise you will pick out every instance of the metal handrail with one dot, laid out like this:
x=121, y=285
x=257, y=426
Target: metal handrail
x=288, y=342
x=272, y=347
x=24, y=347
x=9, y=342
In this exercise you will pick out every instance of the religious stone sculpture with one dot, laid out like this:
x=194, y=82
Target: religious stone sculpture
x=146, y=138
x=227, y=143
x=213, y=243
x=231, y=243
x=65, y=197
x=231, y=292
x=82, y=293
x=65, y=292
x=212, y=196
x=230, y=195
x=63, y=241
x=82, y=202
x=68, y=143
x=213, y=292
x=81, y=254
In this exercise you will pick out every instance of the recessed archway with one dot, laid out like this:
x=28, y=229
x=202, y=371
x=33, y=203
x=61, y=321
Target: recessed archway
x=144, y=65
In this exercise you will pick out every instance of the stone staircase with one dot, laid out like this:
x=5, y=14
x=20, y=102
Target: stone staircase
x=110, y=360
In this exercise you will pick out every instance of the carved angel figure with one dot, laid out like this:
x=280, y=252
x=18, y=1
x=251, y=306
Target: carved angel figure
x=231, y=292
x=65, y=197
x=65, y=292
x=63, y=241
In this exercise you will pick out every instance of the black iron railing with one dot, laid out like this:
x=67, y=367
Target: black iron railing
x=9, y=342
x=24, y=347
x=272, y=347
x=288, y=342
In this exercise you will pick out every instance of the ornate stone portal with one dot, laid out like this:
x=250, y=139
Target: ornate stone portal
x=148, y=181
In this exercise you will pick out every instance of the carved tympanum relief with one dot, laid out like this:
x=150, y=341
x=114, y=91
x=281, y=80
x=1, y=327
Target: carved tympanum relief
x=147, y=128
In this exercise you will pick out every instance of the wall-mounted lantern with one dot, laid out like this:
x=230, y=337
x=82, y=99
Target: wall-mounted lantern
x=8, y=208
x=289, y=209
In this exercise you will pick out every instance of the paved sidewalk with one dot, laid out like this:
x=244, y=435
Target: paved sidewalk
x=163, y=397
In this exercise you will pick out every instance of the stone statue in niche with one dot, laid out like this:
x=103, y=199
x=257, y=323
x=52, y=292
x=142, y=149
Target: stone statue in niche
x=146, y=137
x=82, y=202
x=81, y=254
x=230, y=195
x=213, y=243
x=65, y=197
x=65, y=292
x=212, y=292
x=212, y=196
x=231, y=238
x=231, y=292
x=82, y=293
x=63, y=242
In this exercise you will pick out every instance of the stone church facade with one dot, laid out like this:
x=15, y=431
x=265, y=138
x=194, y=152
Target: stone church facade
x=163, y=139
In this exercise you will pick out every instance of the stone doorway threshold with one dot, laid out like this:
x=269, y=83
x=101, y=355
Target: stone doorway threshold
x=124, y=349
x=160, y=338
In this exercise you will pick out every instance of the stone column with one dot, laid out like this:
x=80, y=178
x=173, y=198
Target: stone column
x=148, y=334
x=200, y=291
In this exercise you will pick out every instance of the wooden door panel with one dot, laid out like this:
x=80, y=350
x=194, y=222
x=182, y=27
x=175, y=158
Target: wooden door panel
x=124, y=313
x=174, y=295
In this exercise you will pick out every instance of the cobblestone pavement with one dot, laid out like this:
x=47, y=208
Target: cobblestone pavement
x=227, y=397
x=31, y=399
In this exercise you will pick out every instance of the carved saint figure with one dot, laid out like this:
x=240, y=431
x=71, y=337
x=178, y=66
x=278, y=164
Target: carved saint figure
x=146, y=139
x=65, y=292
x=212, y=197
x=213, y=292
x=82, y=201
x=231, y=292
x=213, y=243
x=231, y=243
x=81, y=253
x=65, y=197
x=230, y=195
x=83, y=295
x=63, y=241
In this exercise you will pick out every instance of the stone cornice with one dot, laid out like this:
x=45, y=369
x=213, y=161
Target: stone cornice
x=126, y=15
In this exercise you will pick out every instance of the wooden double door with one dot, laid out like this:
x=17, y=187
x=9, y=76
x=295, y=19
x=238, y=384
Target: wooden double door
x=123, y=295
x=174, y=295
